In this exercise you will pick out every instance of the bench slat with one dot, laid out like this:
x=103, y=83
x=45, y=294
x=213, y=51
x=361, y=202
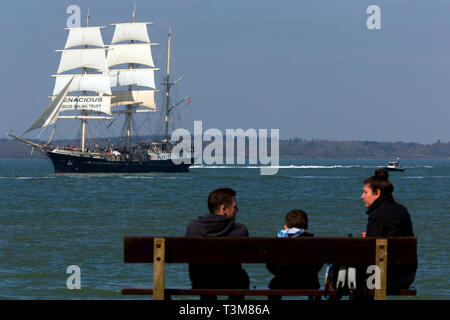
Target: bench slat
x=226, y=292
x=246, y=292
x=271, y=250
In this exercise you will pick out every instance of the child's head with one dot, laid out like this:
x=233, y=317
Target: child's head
x=297, y=219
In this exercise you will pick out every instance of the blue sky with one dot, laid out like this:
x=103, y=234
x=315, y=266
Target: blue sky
x=309, y=68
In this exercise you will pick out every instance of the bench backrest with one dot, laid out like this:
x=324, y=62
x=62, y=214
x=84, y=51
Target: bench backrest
x=161, y=250
x=272, y=250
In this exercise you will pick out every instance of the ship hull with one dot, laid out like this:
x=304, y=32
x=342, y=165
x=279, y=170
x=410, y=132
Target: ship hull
x=66, y=163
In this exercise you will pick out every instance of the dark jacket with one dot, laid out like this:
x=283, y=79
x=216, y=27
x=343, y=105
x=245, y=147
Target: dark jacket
x=388, y=218
x=223, y=275
x=214, y=225
x=295, y=276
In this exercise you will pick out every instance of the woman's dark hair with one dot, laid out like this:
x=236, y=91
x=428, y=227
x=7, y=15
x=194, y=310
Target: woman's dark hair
x=220, y=197
x=381, y=173
x=297, y=219
x=380, y=182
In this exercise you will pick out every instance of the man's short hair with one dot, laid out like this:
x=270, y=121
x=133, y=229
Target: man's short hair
x=297, y=219
x=219, y=197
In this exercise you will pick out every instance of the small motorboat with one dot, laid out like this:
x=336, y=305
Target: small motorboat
x=394, y=166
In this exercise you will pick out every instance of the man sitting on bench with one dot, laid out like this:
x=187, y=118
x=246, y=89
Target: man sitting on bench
x=218, y=223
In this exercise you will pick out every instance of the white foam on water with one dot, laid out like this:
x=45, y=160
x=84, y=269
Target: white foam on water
x=28, y=178
x=137, y=177
x=314, y=177
x=412, y=177
x=274, y=167
x=411, y=167
x=422, y=177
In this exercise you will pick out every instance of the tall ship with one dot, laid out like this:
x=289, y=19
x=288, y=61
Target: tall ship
x=115, y=81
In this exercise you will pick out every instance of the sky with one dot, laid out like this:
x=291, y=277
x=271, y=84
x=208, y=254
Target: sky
x=310, y=68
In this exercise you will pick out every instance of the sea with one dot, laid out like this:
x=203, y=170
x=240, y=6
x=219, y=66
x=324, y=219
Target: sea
x=50, y=222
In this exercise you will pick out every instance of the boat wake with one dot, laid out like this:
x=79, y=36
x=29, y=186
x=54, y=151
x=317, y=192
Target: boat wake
x=137, y=177
x=275, y=167
x=27, y=178
x=314, y=177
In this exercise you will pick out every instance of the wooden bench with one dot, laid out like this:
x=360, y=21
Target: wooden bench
x=162, y=250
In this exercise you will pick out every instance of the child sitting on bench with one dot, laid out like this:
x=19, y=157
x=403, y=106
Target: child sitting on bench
x=294, y=276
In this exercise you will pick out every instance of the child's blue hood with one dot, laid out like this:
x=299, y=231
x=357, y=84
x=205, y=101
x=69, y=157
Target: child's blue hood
x=292, y=232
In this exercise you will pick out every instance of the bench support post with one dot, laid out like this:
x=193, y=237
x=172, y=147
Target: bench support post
x=158, y=268
x=381, y=262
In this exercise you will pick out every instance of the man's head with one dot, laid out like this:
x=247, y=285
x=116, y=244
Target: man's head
x=296, y=219
x=223, y=202
x=374, y=187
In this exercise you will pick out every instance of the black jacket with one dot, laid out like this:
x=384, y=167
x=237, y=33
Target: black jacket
x=388, y=218
x=217, y=276
x=214, y=225
x=295, y=276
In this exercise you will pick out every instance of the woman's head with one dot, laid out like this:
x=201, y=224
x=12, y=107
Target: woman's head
x=376, y=186
x=381, y=173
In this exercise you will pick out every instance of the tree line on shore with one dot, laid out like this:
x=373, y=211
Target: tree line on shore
x=325, y=149
x=299, y=148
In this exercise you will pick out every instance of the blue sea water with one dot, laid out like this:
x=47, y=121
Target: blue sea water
x=49, y=222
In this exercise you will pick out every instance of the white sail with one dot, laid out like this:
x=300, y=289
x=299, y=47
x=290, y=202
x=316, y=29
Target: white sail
x=87, y=103
x=146, y=98
x=131, y=31
x=78, y=58
x=139, y=77
x=49, y=115
x=84, y=36
x=81, y=82
x=130, y=53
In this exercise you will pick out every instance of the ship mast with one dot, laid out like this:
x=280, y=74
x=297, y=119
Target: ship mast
x=83, y=112
x=130, y=88
x=134, y=54
x=168, y=85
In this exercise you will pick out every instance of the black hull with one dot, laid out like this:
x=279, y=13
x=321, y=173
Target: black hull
x=64, y=163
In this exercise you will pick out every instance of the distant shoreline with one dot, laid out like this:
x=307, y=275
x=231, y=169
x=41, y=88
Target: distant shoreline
x=286, y=157
x=282, y=157
x=303, y=149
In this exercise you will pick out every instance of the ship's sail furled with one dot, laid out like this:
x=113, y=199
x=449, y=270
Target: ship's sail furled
x=132, y=54
x=86, y=58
